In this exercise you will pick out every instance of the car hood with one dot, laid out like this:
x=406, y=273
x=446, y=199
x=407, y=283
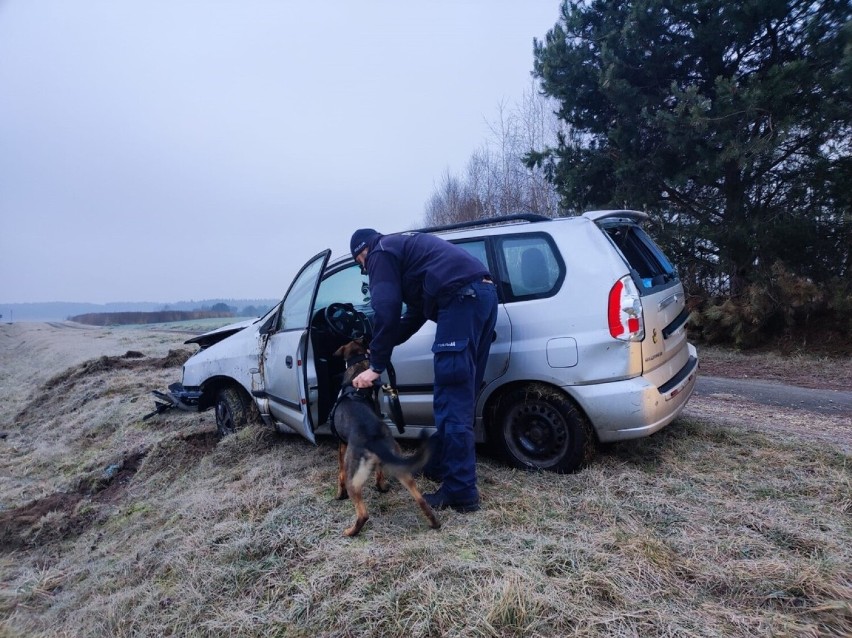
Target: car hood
x=215, y=336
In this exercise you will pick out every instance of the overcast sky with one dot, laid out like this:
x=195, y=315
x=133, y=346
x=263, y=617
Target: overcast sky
x=168, y=150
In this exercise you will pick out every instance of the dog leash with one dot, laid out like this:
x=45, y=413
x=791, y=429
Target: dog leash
x=393, y=399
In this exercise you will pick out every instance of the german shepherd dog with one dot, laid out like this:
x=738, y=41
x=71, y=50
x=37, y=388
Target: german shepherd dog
x=367, y=444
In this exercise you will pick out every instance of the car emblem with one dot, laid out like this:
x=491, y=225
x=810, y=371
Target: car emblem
x=654, y=336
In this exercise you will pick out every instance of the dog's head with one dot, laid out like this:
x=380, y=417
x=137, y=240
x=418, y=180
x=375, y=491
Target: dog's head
x=355, y=356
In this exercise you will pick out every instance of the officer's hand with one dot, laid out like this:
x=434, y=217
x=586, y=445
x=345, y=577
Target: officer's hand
x=365, y=379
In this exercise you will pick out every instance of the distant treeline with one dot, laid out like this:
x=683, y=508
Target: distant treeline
x=162, y=316
x=64, y=311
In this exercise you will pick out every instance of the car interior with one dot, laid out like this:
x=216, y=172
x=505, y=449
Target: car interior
x=331, y=327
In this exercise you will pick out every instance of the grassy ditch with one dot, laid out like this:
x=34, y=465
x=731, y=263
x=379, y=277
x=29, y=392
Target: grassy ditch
x=114, y=526
x=697, y=531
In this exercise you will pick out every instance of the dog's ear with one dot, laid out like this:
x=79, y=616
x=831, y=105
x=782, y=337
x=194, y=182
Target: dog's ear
x=340, y=351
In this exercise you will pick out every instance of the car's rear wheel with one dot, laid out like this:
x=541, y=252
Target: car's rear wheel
x=538, y=427
x=232, y=413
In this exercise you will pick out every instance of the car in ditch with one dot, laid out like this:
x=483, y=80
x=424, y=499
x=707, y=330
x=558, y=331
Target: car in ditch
x=590, y=344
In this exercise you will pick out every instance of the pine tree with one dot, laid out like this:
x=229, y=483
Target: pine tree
x=728, y=121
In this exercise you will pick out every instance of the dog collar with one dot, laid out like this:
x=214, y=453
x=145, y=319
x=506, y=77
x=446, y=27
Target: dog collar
x=357, y=359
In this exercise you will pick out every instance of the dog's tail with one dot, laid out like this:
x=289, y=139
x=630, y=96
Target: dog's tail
x=393, y=463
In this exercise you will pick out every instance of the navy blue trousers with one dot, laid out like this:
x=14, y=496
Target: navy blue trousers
x=463, y=336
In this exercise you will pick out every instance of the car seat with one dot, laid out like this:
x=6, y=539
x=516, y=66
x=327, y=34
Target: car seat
x=535, y=276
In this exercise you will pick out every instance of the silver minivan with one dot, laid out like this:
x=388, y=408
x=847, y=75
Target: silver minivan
x=590, y=344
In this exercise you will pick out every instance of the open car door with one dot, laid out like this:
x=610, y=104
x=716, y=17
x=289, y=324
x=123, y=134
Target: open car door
x=283, y=370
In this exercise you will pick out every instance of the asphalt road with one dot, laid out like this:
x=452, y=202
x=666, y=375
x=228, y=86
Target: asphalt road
x=834, y=402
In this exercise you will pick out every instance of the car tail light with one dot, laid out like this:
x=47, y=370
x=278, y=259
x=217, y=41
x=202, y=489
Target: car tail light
x=625, y=311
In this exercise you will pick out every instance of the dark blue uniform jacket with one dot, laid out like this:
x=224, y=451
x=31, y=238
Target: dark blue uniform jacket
x=420, y=270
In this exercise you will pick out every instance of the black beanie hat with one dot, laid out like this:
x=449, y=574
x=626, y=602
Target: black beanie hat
x=360, y=239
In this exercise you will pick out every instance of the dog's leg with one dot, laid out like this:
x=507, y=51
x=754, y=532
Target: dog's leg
x=357, y=496
x=381, y=480
x=341, y=472
x=356, y=477
x=411, y=486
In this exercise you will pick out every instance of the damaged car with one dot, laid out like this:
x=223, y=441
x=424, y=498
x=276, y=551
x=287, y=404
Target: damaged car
x=590, y=344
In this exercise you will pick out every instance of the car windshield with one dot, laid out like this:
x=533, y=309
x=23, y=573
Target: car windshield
x=347, y=285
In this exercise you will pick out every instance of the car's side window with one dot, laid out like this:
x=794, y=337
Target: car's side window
x=296, y=308
x=475, y=248
x=534, y=269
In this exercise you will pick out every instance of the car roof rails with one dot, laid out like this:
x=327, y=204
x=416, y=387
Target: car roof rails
x=486, y=221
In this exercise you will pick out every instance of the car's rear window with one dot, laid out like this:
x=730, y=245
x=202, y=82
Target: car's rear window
x=644, y=257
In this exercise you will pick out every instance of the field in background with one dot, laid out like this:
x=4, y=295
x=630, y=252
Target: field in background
x=111, y=525
x=158, y=317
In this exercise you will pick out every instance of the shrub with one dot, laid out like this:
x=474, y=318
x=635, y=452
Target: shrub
x=782, y=307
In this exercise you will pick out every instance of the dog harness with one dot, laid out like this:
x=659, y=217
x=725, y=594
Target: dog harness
x=371, y=395
x=351, y=393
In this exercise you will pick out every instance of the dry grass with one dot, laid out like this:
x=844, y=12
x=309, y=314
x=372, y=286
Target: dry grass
x=700, y=530
x=803, y=370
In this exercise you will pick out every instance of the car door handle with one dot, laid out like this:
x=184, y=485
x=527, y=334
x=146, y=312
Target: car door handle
x=669, y=300
x=288, y=361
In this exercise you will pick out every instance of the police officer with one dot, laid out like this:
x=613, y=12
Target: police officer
x=444, y=283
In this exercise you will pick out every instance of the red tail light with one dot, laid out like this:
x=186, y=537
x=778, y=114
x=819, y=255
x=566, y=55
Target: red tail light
x=625, y=311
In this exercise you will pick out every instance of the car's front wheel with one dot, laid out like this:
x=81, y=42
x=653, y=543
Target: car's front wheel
x=538, y=427
x=231, y=411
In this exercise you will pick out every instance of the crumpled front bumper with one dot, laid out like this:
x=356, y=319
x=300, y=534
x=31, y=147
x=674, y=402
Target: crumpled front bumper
x=177, y=397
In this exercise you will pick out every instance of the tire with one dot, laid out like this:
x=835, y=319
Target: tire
x=538, y=427
x=231, y=411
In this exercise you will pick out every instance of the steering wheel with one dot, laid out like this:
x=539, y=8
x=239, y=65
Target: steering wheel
x=346, y=322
